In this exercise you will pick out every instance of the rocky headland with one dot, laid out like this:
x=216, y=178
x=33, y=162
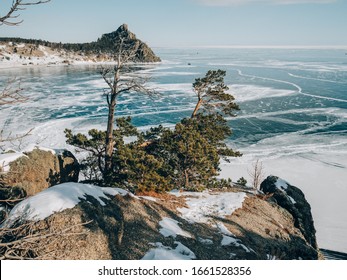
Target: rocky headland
x=29, y=52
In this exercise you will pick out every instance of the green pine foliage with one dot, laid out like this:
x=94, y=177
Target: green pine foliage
x=138, y=170
x=193, y=161
x=212, y=95
x=242, y=181
x=214, y=128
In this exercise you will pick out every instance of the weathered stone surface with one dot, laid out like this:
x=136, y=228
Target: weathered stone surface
x=293, y=200
x=38, y=169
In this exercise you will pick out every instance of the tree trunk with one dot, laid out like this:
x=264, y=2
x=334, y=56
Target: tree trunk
x=197, y=107
x=186, y=176
x=110, y=123
x=109, y=138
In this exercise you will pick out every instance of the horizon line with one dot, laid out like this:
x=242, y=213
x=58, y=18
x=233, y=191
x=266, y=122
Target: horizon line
x=257, y=47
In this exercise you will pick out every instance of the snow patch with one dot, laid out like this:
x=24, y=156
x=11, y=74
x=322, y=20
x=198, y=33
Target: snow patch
x=7, y=158
x=223, y=229
x=291, y=199
x=33, y=147
x=229, y=238
x=150, y=198
x=170, y=227
x=204, y=207
x=270, y=257
x=162, y=252
x=57, y=199
x=205, y=241
x=281, y=184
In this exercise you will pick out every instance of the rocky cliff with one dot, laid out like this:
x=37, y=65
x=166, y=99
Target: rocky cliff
x=293, y=200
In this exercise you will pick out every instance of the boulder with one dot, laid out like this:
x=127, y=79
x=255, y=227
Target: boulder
x=39, y=169
x=293, y=200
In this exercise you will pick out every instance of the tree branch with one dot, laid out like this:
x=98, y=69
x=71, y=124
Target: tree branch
x=11, y=95
x=17, y=5
x=26, y=243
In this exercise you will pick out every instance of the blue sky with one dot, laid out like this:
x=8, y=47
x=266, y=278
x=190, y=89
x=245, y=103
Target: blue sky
x=173, y=23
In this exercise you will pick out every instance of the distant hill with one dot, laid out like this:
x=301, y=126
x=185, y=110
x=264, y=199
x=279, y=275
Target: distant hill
x=101, y=50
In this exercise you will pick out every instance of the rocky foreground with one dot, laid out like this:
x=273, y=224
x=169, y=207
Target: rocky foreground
x=81, y=221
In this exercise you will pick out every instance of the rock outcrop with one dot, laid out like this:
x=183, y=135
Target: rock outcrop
x=293, y=200
x=139, y=51
x=119, y=225
x=37, y=170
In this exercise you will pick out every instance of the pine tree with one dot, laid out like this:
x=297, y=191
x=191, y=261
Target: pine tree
x=190, y=160
x=212, y=95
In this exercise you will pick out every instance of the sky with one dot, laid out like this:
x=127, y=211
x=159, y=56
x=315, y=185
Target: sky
x=185, y=23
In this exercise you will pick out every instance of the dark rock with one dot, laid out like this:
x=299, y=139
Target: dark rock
x=9, y=195
x=293, y=200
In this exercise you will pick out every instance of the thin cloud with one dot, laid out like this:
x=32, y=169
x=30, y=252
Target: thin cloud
x=278, y=2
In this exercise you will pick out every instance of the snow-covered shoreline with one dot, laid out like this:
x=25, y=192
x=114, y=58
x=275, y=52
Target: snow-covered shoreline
x=13, y=55
x=28, y=55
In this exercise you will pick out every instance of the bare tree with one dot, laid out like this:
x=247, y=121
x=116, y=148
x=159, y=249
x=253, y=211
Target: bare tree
x=119, y=83
x=256, y=174
x=10, y=95
x=12, y=16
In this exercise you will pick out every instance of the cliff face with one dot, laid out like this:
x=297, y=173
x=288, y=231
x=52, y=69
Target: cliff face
x=111, y=223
